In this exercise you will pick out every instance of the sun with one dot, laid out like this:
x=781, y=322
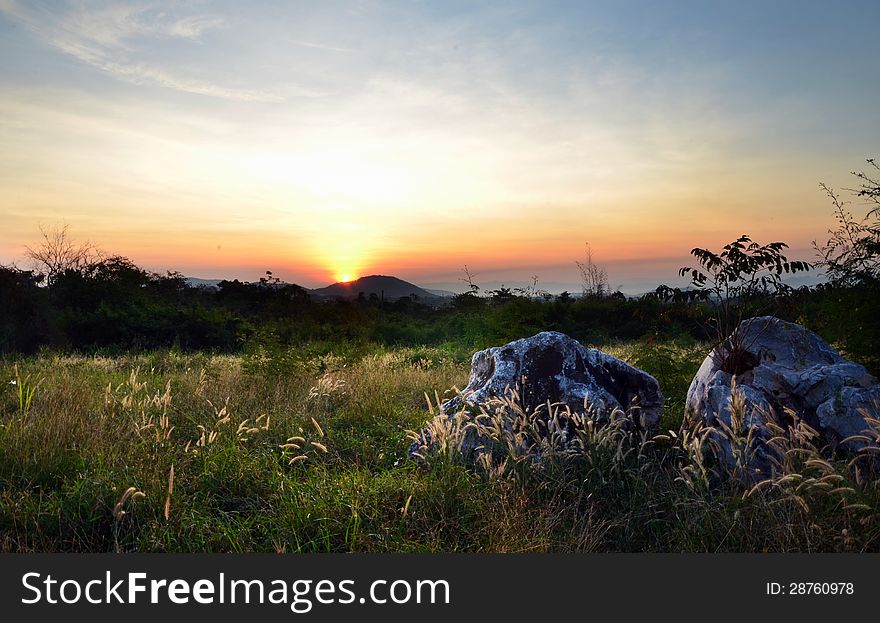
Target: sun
x=345, y=277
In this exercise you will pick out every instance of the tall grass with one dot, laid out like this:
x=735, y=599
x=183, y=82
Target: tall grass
x=307, y=451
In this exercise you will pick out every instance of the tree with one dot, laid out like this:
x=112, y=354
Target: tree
x=501, y=295
x=468, y=279
x=742, y=274
x=270, y=280
x=57, y=253
x=851, y=260
x=23, y=311
x=533, y=291
x=471, y=299
x=594, y=278
x=851, y=256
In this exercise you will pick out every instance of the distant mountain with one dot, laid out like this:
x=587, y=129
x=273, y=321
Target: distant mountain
x=383, y=286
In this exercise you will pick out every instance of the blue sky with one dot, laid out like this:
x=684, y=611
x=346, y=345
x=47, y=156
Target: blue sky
x=322, y=138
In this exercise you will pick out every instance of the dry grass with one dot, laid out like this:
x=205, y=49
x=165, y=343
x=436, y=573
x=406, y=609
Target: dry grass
x=308, y=453
x=800, y=480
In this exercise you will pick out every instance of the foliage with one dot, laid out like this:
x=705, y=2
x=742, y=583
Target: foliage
x=311, y=458
x=57, y=252
x=744, y=273
x=283, y=421
x=23, y=321
x=594, y=278
x=849, y=305
x=851, y=256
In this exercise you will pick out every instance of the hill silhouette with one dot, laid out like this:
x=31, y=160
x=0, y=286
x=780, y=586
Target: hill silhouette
x=383, y=286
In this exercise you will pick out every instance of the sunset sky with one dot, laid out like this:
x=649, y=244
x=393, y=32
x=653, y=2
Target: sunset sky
x=318, y=139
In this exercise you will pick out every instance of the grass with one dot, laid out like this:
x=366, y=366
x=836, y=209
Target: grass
x=305, y=450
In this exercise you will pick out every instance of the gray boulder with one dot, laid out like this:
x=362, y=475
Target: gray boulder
x=551, y=366
x=780, y=365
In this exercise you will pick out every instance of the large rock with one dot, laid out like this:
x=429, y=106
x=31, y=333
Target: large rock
x=780, y=365
x=553, y=367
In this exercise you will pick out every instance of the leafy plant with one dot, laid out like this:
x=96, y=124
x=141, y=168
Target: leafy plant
x=743, y=275
x=26, y=391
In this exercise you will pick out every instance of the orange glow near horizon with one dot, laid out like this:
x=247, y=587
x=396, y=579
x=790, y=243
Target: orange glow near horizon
x=381, y=150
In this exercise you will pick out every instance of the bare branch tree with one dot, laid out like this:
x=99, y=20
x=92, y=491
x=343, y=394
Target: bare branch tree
x=594, y=278
x=851, y=256
x=58, y=252
x=468, y=278
x=532, y=291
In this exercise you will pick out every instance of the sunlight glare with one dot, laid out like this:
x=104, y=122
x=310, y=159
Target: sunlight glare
x=332, y=173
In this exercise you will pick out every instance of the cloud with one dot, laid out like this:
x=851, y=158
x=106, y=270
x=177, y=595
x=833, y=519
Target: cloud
x=320, y=46
x=193, y=27
x=106, y=36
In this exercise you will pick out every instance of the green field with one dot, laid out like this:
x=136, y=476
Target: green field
x=78, y=431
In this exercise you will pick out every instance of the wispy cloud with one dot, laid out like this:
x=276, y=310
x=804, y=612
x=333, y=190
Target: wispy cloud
x=193, y=27
x=105, y=37
x=320, y=46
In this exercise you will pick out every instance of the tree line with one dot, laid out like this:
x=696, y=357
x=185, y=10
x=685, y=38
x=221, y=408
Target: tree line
x=73, y=296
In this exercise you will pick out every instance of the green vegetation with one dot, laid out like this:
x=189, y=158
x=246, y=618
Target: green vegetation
x=78, y=431
x=140, y=414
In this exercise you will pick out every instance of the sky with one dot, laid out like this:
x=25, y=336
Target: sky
x=329, y=140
